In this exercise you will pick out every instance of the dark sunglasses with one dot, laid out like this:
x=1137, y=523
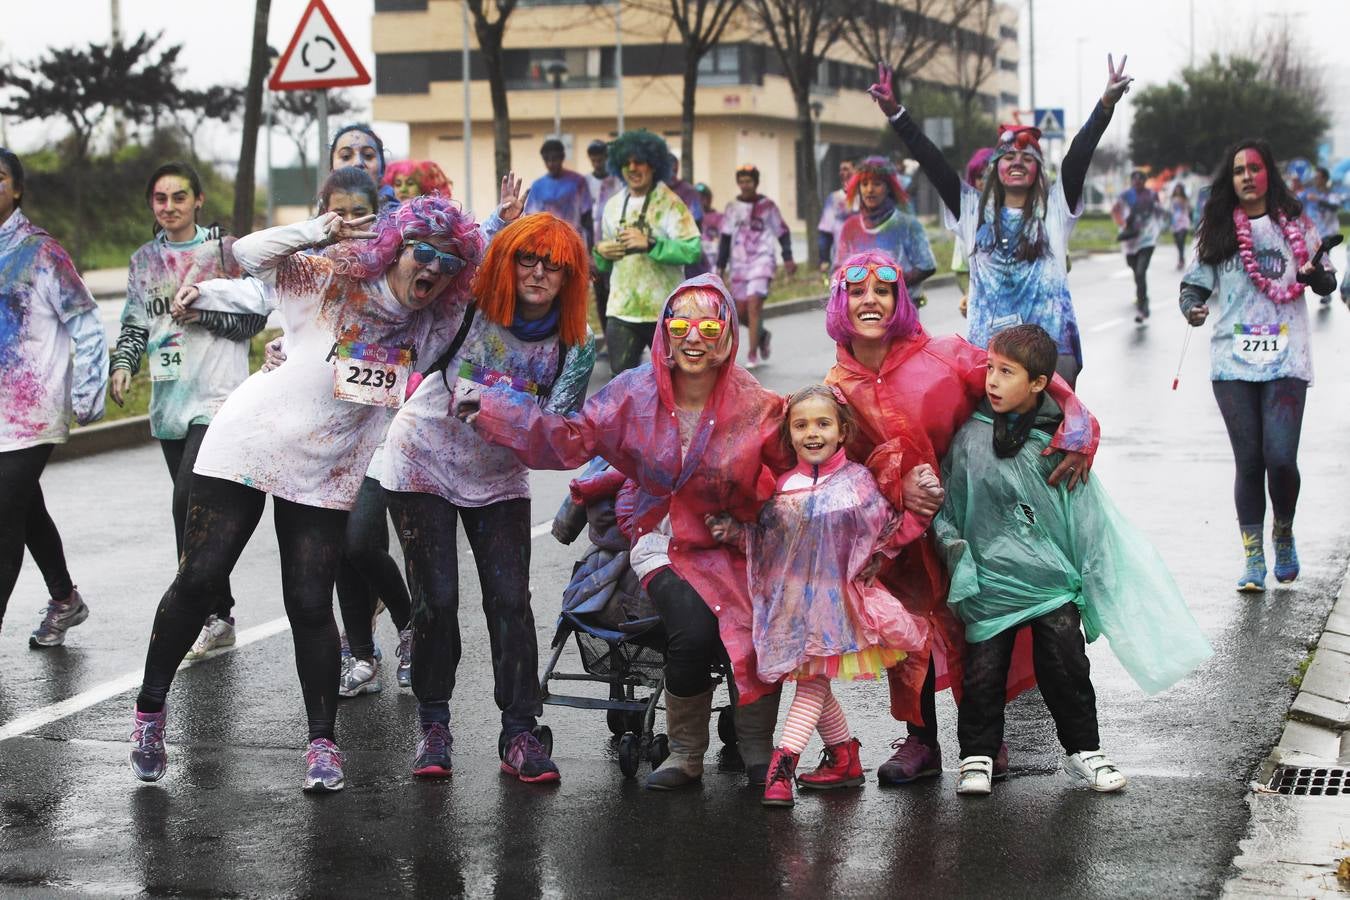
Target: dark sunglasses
x=424, y=253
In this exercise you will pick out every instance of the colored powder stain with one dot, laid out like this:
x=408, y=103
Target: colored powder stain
x=12, y=314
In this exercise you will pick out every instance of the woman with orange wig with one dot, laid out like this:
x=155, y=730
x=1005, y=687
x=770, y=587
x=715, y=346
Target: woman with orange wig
x=526, y=328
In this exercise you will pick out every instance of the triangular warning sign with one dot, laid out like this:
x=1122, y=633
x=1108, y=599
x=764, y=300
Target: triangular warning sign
x=318, y=56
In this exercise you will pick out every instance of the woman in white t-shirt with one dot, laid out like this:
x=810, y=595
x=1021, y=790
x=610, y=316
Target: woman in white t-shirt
x=1253, y=260
x=44, y=308
x=357, y=318
x=196, y=357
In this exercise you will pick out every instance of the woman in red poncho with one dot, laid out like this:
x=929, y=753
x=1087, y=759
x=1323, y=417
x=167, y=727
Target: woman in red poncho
x=893, y=375
x=690, y=429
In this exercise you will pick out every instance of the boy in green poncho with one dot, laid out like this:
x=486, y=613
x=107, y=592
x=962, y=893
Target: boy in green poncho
x=1023, y=553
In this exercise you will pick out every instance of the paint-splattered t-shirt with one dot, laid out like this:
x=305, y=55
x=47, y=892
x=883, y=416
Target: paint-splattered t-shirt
x=755, y=230
x=192, y=369
x=1247, y=343
x=642, y=281
x=900, y=236
x=43, y=306
x=711, y=238
x=1005, y=291
x=601, y=190
x=429, y=451
x=285, y=432
x=568, y=197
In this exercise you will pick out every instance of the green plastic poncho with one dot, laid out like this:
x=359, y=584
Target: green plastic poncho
x=1018, y=548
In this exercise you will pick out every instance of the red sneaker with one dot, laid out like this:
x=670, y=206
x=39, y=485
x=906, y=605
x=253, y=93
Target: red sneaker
x=839, y=767
x=778, y=788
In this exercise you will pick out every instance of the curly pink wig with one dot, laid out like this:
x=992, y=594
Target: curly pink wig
x=430, y=218
x=903, y=323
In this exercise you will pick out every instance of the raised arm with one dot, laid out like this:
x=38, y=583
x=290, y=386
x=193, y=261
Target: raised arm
x=543, y=440
x=935, y=167
x=262, y=252
x=1074, y=170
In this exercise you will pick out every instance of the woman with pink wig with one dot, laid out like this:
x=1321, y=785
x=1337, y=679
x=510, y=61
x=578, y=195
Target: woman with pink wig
x=899, y=383
x=409, y=178
x=357, y=317
x=882, y=224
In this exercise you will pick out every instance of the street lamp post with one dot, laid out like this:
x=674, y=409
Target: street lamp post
x=556, y=69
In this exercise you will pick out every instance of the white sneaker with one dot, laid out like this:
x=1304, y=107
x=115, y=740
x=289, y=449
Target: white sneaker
x=1094, y=767
x=976, y=776
x=216, y=633
x=359, y=676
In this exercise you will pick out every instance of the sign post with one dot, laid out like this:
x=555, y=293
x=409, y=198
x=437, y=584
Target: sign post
x=318, y=58
x=1050, y=121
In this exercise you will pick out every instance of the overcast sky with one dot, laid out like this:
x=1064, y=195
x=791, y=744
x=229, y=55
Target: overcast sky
x=1155, y=33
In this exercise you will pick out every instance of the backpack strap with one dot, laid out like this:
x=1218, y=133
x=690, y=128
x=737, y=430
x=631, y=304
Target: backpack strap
x=443, y=360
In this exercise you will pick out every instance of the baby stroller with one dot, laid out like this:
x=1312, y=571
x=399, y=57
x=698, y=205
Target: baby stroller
x=617, y=631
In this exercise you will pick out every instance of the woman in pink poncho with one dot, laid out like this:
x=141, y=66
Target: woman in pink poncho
x=691, y=430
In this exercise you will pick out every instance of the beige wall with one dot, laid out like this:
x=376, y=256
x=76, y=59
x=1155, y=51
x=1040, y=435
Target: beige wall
x=736, y=123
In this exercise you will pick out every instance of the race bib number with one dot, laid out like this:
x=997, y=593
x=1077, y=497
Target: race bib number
x=166, y=361
x=488, y=377
x=1260, y=345
x=370, y=374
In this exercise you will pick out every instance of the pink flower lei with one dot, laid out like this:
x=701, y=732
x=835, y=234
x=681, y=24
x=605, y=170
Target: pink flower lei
x=1292, y=234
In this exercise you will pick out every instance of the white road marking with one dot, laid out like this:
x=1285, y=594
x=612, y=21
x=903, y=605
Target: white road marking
x=107, y=690
x=1110, y=323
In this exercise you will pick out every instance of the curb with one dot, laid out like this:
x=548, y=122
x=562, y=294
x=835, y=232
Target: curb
x=103, y=436
x=1318, y=730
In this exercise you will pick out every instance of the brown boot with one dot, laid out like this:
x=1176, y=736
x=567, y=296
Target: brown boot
x=687, y=728
x=755, y=723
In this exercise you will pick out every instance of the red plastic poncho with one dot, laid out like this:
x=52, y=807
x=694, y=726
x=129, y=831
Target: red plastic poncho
x=934, y=384
x=631, y=422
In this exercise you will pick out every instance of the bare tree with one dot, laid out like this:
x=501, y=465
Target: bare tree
x=802, y=32
x=905, y=33
x=1282, y=54
x=242, y=217
x=297, y=113
x=975, y=43
x=700, y=24
x=219, y=102
x=490, y=32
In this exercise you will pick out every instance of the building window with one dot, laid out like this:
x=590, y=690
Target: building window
x=1007, y=32
x=720, y=65
x=1008, y=65
x=1008, y=99
x=400, y=5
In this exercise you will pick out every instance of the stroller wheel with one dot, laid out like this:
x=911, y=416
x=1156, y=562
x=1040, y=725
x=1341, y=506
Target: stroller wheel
x=658, y=750
x=726, y=727
x=617, y=720
x=544, y=735
x=629, y=754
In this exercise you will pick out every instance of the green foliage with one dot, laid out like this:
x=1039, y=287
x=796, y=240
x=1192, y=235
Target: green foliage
x=117, y=218
x=971, y=127
x=1190, y=122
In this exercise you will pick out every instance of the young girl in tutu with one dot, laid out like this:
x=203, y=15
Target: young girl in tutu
x=813, y=553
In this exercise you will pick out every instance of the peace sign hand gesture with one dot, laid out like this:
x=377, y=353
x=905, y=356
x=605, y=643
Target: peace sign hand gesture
x=338, y=229
x=1117, y=82
x=884, y=91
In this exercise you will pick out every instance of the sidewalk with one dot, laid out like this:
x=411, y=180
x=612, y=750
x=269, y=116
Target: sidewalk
x=106, y=284
x=1298, y=842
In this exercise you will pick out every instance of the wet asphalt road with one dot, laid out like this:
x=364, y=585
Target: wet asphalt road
x=229, y=819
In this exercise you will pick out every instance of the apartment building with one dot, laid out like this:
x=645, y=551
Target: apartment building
x=744, y=105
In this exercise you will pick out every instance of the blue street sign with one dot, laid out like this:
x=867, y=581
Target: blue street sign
x=1050, y=122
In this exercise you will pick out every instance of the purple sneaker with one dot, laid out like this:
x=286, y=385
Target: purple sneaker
x=323, y=767
x=149, y=759
x=433, y=751
x=1001, y=763
x=912, y=760
x=527, y=759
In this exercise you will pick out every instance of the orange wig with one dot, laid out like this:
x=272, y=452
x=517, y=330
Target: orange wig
x=542, y=234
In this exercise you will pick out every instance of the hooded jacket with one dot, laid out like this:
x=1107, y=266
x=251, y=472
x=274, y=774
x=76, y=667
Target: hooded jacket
x=632, y=423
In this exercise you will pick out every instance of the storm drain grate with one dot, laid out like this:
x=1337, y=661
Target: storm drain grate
x=1311, y=782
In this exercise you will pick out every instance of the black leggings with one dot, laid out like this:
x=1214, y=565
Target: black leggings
x=44, y=544
x=625, y=342
x=1138, y=262
x=1062, y=673
x=222, y=517
x=19, y=474
x=368, y=572
x=499, y=534
x=927, y=732
x=693, y=641
x=1264, y=419
x=1179, y=238
x=181, y=455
